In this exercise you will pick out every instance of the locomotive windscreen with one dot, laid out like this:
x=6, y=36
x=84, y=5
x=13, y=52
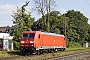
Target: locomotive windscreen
x=28, y=35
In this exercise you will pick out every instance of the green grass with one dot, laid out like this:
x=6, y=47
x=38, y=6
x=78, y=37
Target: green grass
x=81, y=48
x=45, y=55
x=68, y=51
x=4, y=54
x=75, y=48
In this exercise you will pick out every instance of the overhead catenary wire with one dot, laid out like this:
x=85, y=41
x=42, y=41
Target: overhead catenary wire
x=87, y=2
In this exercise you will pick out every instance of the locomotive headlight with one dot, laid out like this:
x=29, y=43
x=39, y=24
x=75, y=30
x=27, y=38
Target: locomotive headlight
x=22, y=41
x=31, y=41
x=31, y=45
x=22, y=45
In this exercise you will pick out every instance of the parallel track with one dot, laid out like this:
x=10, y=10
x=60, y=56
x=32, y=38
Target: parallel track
x=76, y=54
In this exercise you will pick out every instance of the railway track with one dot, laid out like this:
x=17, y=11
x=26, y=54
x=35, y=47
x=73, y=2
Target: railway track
x=77, y=55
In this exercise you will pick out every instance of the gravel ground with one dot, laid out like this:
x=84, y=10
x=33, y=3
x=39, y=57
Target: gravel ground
x=76, y=56
x=81, y=56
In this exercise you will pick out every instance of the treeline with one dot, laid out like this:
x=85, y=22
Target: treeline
x=73, y=24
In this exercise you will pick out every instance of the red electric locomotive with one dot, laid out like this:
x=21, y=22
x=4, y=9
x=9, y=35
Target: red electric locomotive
x=37, y=41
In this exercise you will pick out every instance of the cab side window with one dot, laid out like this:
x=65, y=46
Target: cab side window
x=39, y=36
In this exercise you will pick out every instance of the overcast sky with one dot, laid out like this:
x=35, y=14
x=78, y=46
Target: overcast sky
x=6, y=7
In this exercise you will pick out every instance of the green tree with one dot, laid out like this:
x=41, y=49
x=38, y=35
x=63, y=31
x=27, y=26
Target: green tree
x=89, y=33
x=44, y=7
x=40, y=24
x=55, y=21
x=78, y=26
x=57, y=31
x=23, y=21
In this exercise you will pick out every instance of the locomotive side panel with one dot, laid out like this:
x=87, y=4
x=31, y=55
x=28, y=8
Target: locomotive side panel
x=49, y=41
x=53, y=41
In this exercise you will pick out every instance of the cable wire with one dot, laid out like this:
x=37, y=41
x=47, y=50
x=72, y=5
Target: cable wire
x=87, y=2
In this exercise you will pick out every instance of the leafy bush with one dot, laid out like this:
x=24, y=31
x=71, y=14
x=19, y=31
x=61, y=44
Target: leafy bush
x=4, y=54
x=74, y=45
x=16, y=45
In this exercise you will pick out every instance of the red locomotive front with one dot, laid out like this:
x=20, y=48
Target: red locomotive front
x=27, y=41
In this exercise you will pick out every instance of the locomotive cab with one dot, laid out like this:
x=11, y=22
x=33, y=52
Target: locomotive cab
x=27, y=42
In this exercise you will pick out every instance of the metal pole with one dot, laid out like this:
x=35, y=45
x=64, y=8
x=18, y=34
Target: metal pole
x=64, y=27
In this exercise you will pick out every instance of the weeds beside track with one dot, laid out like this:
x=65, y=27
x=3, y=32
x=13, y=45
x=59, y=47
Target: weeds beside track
x=16, y=55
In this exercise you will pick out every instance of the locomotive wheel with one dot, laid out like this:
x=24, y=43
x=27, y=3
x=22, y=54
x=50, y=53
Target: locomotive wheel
x=56, y=50
x=22, y=51
x=63, y=49
x=38, y=52
x=41, y=51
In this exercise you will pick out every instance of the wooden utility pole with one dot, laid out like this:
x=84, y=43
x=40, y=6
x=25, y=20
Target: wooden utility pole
x=64, y=27
x=48, y=17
